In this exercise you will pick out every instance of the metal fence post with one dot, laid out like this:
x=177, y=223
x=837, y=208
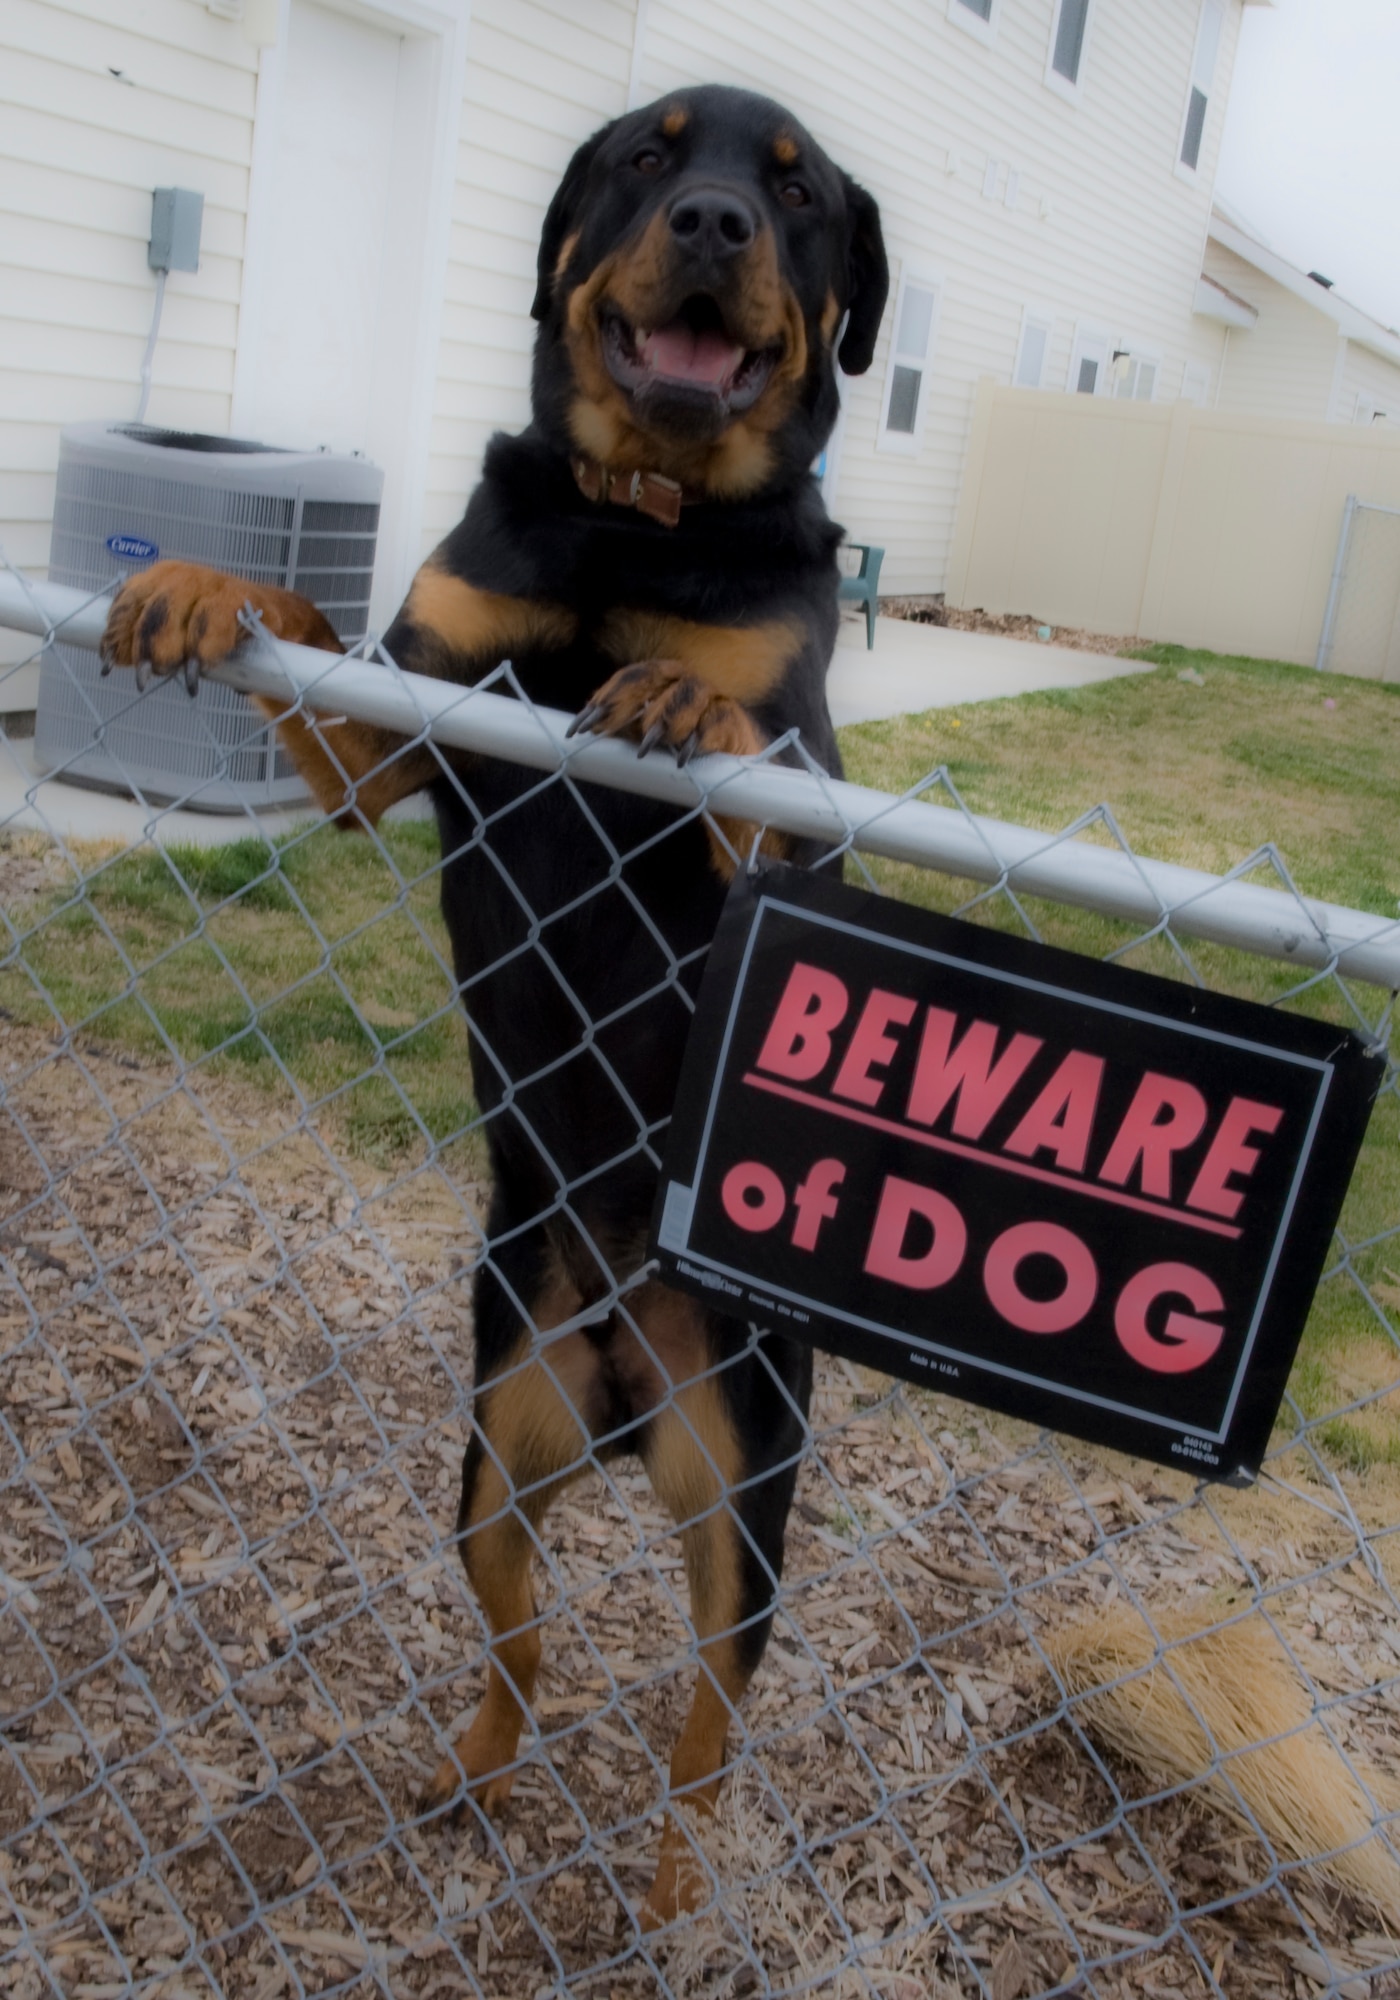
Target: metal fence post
x=1334, y=589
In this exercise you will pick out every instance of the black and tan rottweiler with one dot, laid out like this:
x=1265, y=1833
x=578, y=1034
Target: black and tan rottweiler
x=652, y=554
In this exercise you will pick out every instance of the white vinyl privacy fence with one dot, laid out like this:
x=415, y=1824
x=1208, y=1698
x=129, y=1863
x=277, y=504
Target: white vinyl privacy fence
x=1034, y=1719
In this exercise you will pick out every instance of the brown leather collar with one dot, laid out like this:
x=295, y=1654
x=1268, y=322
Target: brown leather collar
x=651, y=493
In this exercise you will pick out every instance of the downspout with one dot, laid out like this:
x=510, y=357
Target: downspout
x=1220, y=378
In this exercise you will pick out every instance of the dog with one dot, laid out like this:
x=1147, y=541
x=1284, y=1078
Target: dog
x=653, y=555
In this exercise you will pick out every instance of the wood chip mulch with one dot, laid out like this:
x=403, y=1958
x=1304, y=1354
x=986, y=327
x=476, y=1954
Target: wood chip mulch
x=1006, y=625
x=233, y=1634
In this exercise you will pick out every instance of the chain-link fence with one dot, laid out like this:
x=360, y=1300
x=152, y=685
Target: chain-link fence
x=1361, y=625
x=1034, y=1718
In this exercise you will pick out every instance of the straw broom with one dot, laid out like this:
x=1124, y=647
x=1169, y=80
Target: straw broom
x=1238, y=1681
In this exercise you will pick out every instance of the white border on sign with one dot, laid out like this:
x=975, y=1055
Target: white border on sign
x=1325, y=1073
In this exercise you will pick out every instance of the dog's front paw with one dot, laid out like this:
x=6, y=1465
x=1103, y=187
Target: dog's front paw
x=662, y=702
x=178, y=617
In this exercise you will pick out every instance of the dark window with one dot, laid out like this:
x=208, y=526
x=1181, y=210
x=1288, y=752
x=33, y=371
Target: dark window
x=1069, y=39
x=1088, y=378
x=981, y=8
x=1195, y=125
x=904, y=400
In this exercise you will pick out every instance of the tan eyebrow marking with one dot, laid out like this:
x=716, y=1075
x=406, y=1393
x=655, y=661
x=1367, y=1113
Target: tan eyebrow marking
x=785, y=149
x=675, y=121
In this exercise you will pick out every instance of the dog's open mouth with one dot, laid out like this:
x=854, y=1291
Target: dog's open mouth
x=692, y=359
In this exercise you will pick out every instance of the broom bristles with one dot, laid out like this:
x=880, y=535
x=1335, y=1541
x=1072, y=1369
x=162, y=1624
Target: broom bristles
x=1238, y=1681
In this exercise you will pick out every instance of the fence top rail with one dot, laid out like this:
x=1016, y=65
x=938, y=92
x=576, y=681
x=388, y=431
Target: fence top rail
x=1227, y=910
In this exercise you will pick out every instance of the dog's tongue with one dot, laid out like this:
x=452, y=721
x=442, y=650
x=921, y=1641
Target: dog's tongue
x=683, y=356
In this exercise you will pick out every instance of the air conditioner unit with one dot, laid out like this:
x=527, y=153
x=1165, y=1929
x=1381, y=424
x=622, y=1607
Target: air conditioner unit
x=129, y=494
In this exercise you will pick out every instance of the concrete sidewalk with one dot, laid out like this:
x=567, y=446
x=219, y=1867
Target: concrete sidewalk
x=913, y=667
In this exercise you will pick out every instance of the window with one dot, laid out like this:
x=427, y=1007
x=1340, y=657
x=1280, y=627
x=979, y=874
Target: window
x=979, y=17
x=1202, y=78
x=1033, y=352
x=1135, y=376
x=1089, y=362
x=1067, y=46
x=828, y=467
x=916, y=312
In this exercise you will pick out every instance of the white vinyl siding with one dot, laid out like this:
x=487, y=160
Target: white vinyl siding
x=1102, y=227
x=1370, y=380
x=81, y=149
x=1286, y=363
x=540, y=79
x=1084, y=208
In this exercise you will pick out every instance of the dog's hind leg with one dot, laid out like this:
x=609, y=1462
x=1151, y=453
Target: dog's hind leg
x=531, y=1437
x=733, y=1545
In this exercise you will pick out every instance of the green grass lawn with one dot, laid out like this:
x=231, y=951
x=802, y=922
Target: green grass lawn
x=1203, y=775
x=319, y=965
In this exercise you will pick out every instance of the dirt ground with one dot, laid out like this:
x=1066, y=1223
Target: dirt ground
x=1010, y=625
x=233, y=1634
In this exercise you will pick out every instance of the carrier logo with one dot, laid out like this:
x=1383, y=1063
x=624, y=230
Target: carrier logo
x=131, y=548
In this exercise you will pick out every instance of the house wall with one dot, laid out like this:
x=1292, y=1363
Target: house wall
x=1287, y=362
x=1098, y=226
x=80, y=151
x=1370, y=376
x=540, y=79
x=1200, y=527
x=990, y=182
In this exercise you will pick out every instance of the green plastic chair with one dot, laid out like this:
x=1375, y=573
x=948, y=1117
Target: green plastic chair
x=864, y=587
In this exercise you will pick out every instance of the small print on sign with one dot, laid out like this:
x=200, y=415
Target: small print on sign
x=1090, y=1197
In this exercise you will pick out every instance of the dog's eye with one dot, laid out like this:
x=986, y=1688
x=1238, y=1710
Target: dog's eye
x=647, y=162
x=793, y=195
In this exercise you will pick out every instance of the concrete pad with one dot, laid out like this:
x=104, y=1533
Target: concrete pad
x=914, y=667
x=30, y=802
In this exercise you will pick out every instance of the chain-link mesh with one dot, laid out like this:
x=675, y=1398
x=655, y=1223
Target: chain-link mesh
x=1362, y=630
x=1034, y=1718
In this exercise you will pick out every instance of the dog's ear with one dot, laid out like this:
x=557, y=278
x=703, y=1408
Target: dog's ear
x=868, y=280
x=561, y=219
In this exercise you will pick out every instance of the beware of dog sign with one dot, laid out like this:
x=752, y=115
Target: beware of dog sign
x=1086, y=1196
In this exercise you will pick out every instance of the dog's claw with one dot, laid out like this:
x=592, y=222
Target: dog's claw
x=584, y=720
x=651, y=739
x=107, y=664
x=688, y=748
x=144, y=671
x=192, y=677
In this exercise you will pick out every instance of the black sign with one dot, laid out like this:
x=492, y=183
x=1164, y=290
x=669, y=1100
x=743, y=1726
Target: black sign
x=1086, y=1196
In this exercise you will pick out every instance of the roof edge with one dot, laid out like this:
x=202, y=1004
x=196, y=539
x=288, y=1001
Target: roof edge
x=1348, y=319
x=1216, y=301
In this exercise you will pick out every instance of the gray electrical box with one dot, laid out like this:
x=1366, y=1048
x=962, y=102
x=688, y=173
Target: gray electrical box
x=177, y=215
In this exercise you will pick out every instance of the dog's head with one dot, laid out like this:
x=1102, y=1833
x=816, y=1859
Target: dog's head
x=696, y=265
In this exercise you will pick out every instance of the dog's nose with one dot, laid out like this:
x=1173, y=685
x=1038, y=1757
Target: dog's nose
x=713, y=222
